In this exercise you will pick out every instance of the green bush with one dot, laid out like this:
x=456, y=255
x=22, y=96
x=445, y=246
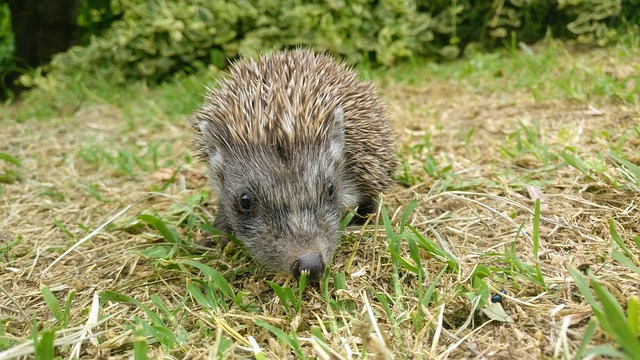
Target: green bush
x=96, y=16
x=157, y=38
x=7, y=46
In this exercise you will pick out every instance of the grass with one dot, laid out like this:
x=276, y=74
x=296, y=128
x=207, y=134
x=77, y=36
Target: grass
x=624, y=329
x=512, y=233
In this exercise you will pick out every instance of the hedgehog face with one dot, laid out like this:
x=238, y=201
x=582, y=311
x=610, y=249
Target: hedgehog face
x=284, y=203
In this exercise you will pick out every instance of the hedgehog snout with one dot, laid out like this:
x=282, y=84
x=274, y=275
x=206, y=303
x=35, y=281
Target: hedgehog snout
x=312, y=263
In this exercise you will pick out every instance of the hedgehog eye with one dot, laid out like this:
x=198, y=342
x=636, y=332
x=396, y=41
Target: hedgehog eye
x=245, y=201
x=330, y=189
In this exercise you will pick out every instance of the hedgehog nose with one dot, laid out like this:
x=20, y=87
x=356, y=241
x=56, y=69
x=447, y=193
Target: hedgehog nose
x=312, y=263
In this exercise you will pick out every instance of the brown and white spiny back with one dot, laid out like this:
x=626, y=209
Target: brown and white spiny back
x=285, y=98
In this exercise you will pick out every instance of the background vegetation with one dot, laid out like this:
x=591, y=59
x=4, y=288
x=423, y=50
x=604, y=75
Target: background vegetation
x=7, y=46
x=127, y=40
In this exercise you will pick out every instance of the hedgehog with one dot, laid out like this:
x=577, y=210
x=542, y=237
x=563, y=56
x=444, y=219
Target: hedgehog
x=293, y=140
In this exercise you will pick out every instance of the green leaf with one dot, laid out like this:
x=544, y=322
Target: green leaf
x=155, y=299
x=614, y=321
x=168, y=234
x=10, y=159
x=406, y=264
x=346, y=220
x=290, y=340
x=619, y=257
x=52, y=303
x=633, y=314
x=45, y=349
x=586, y=337
x=140, y=345
x=387, y=222
x=339, y=281
x=574, y=161
x=495, y=311
x=407, y=213
x=214, y=276
x=584, y=289
x=433, y=249
x=536, y=242
x=63, y=228
x=635, y=169
x=195, y=292
x=67, y=309
x=606, y=351
x=617, y=239
x=108, y=295
x=302, y=284
x=156, y=252
x=287, y=297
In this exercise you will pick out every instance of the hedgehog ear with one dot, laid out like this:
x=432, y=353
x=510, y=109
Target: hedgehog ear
x=210, y=148
x=337, y=133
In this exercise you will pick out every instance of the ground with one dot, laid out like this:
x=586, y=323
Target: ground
x=481, y=140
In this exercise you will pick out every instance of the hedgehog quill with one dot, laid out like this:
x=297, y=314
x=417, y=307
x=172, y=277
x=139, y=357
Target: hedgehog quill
x=293, y=140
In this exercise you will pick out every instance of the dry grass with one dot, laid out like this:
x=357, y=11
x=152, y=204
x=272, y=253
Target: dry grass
x=478, y=210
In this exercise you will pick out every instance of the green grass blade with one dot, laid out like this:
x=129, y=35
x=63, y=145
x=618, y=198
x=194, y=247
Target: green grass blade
x=606, y=351
x=617, y=239
x=635, y=169
x=52, y=304
x=302, y=284
x=287, y=297
x=402, y=261
x=536, y=242
x=161, y=333
x=10, y=159
x=574, y=161
x=168, y=234
x=584, y=289
x=586, y=337
x=140, y=345
x=633, y=314
x=414, y=252
x=215, y=276
x=4, y=248
x=433, y=249
x=45, y=349
x=155, y=299
x=428, y=295
x=108, y=295
x=407, y=213
x=536, y=230
x=614, y=321
x=63, y=228
x=67, y=309
x=197, y=295
x=290, y=340
x=388, y=228
x=619, y=257
x=346, y=220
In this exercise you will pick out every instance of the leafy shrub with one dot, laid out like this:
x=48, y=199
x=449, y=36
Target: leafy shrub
x=96, y=16
x=591, y=19
x=7, y=46
x=157, y=38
